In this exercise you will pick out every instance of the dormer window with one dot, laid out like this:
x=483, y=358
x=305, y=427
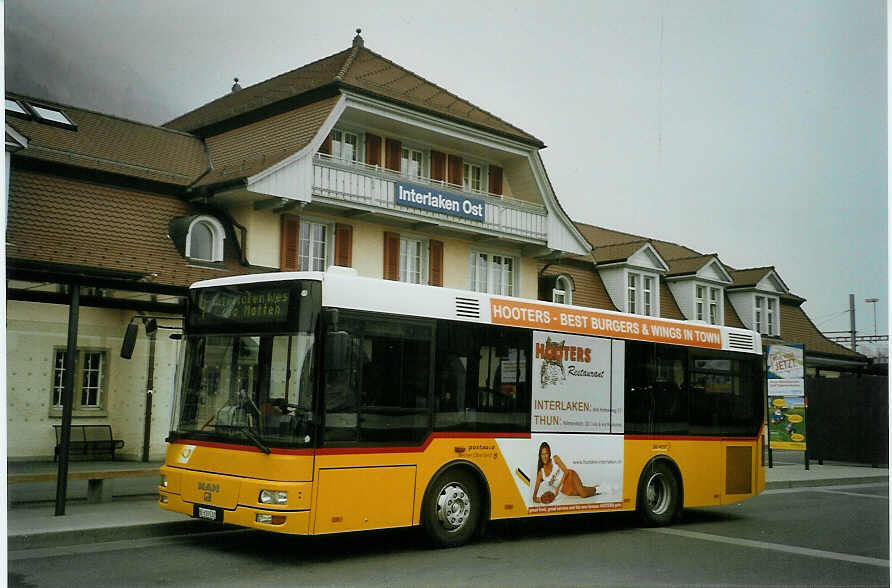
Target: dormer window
x=641, y=297
x=204, y=241
x=765, y=315
x=708, y=304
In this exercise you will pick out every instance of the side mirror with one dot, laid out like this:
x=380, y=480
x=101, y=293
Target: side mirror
x=337, y=346
x=129, y=340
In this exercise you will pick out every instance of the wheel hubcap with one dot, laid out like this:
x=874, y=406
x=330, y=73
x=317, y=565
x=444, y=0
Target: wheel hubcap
x=453, y=507
x=658, y=494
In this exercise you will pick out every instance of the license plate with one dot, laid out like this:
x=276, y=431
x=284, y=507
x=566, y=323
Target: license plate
x=208, y=513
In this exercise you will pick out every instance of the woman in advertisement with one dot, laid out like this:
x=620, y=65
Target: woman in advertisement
x=555, y=478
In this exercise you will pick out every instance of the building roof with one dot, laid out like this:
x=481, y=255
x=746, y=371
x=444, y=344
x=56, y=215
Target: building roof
x=749, y=277
x=357, y=69
x=107, y=143
x=248, y=150
x=56, y=220
x=617, y=252
x=602, y=237
x=689, y=265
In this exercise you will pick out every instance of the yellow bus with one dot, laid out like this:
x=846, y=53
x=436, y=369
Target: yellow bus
x=312, y=403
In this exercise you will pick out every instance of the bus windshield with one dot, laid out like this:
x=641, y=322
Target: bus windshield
x=249, y=388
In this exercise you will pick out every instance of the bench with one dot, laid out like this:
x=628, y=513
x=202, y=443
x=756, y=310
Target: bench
x=88, y=440
x=96, y=490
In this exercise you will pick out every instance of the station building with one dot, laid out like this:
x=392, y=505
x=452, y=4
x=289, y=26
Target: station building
x=351, y=160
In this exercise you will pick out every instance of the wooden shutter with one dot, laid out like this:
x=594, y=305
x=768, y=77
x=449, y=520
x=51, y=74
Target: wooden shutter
x=392, y=154
x=438, y=166
x=372, y=149
x=391, y=256
x=344, y=245
x=436, y=263
x=456, y=170
x=495, y=179
x=290, y=243
x=326, y=145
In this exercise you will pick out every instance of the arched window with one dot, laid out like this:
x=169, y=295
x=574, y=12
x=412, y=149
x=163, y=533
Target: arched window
x=563, y=290
x=205, y=239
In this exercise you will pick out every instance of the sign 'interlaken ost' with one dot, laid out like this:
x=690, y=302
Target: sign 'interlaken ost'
x=432, y=200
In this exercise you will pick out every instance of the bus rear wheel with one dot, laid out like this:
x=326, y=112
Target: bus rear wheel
x=452, y=508
x=659, y=494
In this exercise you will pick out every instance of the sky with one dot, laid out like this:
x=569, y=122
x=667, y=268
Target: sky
x=753, y=129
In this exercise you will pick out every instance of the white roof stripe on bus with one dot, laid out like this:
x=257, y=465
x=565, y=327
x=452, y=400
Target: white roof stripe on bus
x=345, y=289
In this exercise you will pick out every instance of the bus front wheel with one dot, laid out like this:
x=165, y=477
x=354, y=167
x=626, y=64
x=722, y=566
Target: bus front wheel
x=452, y=508
x=658, y=494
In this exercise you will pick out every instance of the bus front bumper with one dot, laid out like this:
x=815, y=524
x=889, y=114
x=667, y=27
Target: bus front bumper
x=295, y=522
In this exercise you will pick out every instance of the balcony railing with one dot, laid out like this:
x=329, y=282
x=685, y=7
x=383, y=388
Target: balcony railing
x=373, y=187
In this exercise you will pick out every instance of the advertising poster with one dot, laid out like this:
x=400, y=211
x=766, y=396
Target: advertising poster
x=786, y=370
x=567, y=473
x=572, y=380
x=786, y=422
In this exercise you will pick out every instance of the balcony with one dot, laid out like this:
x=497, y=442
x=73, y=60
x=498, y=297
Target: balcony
x=371, y=188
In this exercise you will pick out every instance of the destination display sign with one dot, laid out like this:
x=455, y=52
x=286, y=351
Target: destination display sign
x=256, y=306
x=433, y=200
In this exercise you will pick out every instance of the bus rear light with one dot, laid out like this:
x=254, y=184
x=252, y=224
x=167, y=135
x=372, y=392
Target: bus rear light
x=273, y=497
x=269, y=519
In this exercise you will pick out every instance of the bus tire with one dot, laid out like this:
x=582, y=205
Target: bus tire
x=452, y=508
x=659, y=494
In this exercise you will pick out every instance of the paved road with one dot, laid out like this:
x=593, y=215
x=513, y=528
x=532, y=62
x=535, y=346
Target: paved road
x=832, y=535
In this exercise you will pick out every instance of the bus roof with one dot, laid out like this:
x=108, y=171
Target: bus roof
x=343, y=288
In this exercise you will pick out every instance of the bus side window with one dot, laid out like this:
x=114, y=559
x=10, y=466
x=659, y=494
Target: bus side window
x=482, y=378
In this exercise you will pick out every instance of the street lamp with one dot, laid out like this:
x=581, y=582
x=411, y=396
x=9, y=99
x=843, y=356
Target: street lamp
x=874, y=302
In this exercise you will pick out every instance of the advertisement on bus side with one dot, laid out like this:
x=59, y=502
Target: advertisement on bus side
x=573, y=377
x=566, y=473
x=572, y=462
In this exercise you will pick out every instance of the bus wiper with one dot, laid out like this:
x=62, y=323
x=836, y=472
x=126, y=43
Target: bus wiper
x=246, y=429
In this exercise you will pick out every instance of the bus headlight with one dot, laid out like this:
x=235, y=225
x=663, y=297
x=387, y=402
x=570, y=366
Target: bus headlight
x=163, y=480
x=273, y=497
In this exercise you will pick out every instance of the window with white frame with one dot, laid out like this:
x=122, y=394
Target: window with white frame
x=313, y=251
x=708, y=301
x=204, y=240
x=413, y=259
x=647, y=297
x=700, y=303
x=715, y=301
x=89, y=379
x=492, y=273
x=412, y=162
x=640, y=295
x=765, y=315
x=473, y=178
x=563, y=290
x=344, y=145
